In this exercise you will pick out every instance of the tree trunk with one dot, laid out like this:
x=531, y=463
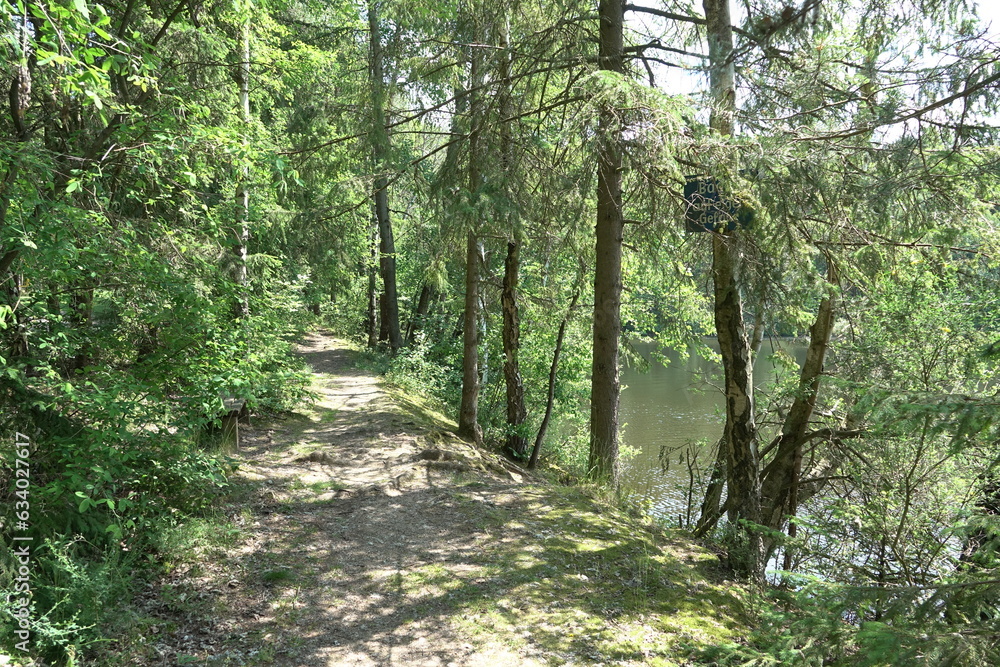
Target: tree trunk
x=383, y=320
x=371, y=322
x=740, y=435
x=780, y=479
x=420, y=314
x=242, y=306
x=533, y=461
x=757, y=334
x=516, y=445
x=20, y=99
x=605, y=386
x=711, y=505
x=468, y=417
x=484, y=351
x=380, y=197
x=742, y=462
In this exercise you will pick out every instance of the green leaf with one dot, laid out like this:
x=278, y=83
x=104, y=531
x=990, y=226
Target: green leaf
x=49, y=56
x=81, y=6
x=96, y=98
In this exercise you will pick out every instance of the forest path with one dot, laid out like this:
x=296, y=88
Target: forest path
x=355, y=521
x=345, y=546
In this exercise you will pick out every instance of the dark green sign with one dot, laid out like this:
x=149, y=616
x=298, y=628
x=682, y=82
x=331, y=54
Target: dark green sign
x=708, y=211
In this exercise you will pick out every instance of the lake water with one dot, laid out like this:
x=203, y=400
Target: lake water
x=671, y=406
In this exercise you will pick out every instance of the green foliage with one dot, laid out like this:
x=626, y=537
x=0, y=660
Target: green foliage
x=124, y=144
x=118, y=331
x=78, y=600
x=819, y=623
x=427, y=369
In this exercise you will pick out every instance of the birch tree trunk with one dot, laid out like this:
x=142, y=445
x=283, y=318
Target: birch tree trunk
x=371, y=321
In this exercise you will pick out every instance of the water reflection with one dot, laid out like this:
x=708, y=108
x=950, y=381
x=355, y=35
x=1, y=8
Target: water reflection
x=671, y=406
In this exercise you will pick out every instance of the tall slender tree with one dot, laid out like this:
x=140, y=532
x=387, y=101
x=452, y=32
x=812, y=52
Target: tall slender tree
x=389, y=309
x=516, y=443
x=740, y=435
x=605, y=385
x=468, y=418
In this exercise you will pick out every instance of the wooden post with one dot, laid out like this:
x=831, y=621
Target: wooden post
x=234, y=408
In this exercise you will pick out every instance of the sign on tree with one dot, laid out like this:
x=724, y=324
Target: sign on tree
x=708, y=211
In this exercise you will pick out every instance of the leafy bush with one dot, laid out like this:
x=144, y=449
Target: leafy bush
x=114, y=457
x=421, y=369
x=820, y=623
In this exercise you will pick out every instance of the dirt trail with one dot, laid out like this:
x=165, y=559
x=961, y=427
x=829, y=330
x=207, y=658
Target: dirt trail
x=345, y=546
x=356, y=518
x=341, y=508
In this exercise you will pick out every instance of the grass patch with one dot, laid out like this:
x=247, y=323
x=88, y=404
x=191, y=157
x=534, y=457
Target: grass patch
x=196, y=539
x=277, y=576
x=322, y=486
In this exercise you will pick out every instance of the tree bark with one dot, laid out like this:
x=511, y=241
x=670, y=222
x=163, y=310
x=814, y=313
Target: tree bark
x=420, y=313
x=780, y=479
x=711, y=505
x=383, y=320
x=605, y=385
x=742, y=463
x=371, y=322
x=533, y=461
x=740, y=434
x=380, y=196
x=757, y=333
x=19, y=99
x=484, y=351
x=516, y=444
x=468, y=417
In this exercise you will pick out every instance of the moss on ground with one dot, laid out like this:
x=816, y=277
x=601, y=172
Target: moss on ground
x=568, y=580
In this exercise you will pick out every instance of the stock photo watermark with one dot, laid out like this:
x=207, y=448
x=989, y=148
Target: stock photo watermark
x=21, y=543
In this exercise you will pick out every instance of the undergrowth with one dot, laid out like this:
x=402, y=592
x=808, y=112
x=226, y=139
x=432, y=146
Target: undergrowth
x=117, y=458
